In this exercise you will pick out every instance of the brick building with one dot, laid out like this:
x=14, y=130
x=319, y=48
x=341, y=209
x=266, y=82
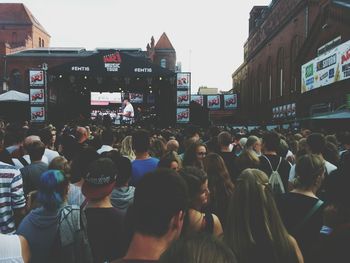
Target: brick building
x=282, y=37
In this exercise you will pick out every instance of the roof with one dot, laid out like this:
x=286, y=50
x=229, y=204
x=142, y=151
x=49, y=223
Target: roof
x=164, y=43
x=343, y=3
x=18, y=14
x=52, y=52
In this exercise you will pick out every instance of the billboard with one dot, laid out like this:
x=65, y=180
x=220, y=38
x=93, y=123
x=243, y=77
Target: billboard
x=197, y=99
x=182, y=115
x=183, y=98
x=230, y=101
x=284, y=112
x=105, y=98
x=326, y=69
x=36, y=78
x=37, y=114
x=37, y=96
x=183, y=80
x=213, y=102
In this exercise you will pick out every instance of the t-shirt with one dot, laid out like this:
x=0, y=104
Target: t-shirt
x=293, y=208
x=31, y=176
x=230, y=162
x=104, y=227
x=140, y=167
x=11, y=196
x=329, y=167
x=10, y=249
x=128, y=108
x=283, y=169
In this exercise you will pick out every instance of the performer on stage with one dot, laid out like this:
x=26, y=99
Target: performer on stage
x=128, y=112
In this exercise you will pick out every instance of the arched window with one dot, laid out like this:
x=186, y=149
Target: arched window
x=280, y=71
x=269, y=78
x=295, y=45
x=42, y=43
x=260, y=84
x=39, y=41
x=16, y=80
x=163, y=63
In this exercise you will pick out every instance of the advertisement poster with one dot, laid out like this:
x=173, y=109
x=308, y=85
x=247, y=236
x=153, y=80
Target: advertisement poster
x=213, y=102
x=37, y=96
x=230, y=101
x=197, y=99
x=183, y=98
x=284, y=112
x=37, y=114
x=182, y=115
x=136, y=97
x=183, y=80
x=36, y=78
x=326, y=69
x=112, y=62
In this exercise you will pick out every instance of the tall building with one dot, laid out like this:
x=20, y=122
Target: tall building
x=162, y=53
x=282, y=38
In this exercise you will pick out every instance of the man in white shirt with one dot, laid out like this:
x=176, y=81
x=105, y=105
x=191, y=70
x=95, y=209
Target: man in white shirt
x=128, y=112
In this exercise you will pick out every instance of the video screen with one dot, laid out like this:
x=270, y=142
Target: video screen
x=100, y=113
x=105, y=98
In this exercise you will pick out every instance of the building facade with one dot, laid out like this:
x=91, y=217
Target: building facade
x=282, y=37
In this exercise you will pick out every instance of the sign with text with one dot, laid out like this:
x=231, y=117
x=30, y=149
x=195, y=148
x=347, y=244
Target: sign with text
x=183, y=98
x=112, y=62
x=182, y=115
x=213, y=102
x=326, y=69
x=37, y=114
x=37, y=96
x=230, y=101
x=183, y=80
x=284, y=112
x=197, y=99
x=36, y=78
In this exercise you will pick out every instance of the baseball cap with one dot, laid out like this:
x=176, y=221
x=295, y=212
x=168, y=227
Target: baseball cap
x=100, y=179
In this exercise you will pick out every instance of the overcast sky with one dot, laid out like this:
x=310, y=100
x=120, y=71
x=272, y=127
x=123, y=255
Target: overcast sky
x=208, y=36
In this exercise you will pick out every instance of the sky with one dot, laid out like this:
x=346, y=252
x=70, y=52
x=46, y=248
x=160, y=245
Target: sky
x=208, y=36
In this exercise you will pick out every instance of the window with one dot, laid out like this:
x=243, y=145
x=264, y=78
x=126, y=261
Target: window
x=280, y=71
x=39, y=41
x=163, y=63
x=42, y=43
x=293, y=55
x=16, y=80
x=259, y=84
x=269, y=78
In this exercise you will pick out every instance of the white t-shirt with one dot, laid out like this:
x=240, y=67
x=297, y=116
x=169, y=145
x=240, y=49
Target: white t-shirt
x=10, y=249
x=128, y=108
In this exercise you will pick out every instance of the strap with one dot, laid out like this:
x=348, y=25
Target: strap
x=309, y=215
x=209, y=223
x=23, y=161
x=83, y=204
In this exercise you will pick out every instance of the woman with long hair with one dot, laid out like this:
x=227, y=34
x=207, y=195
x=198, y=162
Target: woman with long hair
x=126, y=148
x=170, y=160
x=198, y=191
x=249, y=157
x=194, y=155
x=256, y=232
x=220, y=185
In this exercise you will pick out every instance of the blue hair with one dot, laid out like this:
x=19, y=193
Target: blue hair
x=52, y=189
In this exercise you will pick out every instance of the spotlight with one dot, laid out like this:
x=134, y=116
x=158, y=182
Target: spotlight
x=150, y=87
x=60, y=76
x=85, y=77
x=160, y=78
x=150, y=91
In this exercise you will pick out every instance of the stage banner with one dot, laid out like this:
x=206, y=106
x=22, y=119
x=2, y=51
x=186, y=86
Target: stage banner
x=37, y=114
x=183, y=98
x=213, y=102
x=230, y=101
x=136, y=97
x=36, y=78
x=197, y=99
x=182, y=115
x=326, y=69
x=37, y=96
x=184, y=80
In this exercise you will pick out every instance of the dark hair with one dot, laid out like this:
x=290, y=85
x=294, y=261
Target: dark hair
x=158, y=197
x=167, y=159
x=199, y=248
x=79, y=166
x=271, y=141
x=36, y=150
x=331, y=154
x=107, y=137
x=123, y=165
x=307, y=169
x=316, y=142
x=46, y=135
x=225, y=138
x=141, y=141
x=190, y=155
x=194, y=178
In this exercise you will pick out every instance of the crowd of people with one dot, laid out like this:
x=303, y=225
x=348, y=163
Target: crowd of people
x=135, y=194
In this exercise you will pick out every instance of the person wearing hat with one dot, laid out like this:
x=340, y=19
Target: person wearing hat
x=104, y=222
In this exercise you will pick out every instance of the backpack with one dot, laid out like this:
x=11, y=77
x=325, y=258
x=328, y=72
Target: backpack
x=275, y=180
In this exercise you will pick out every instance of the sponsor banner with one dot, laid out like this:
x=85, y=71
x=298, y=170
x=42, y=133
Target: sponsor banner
x=37, y=114
x=36, y=78
x=326, y=69
x=183, y=80
x=37, y=96
x=112, y=62
x=230, y=101
x=183, y=98
x=182, y=115
x=136, y=97
x=213, y=102
x=197, y=99
x=105, y=98
x=284, y=112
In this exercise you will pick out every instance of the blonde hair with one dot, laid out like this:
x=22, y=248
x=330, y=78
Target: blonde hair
x=126, y=148
x=252, y=211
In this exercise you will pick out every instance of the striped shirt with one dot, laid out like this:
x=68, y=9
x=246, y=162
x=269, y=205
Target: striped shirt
x=11, y=196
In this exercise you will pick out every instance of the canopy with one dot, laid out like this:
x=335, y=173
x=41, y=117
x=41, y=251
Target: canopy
x=13, y=95
x=112, y=63
x=333, y=115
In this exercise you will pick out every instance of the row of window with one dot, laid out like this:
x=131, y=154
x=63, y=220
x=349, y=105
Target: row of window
x=41, y=42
